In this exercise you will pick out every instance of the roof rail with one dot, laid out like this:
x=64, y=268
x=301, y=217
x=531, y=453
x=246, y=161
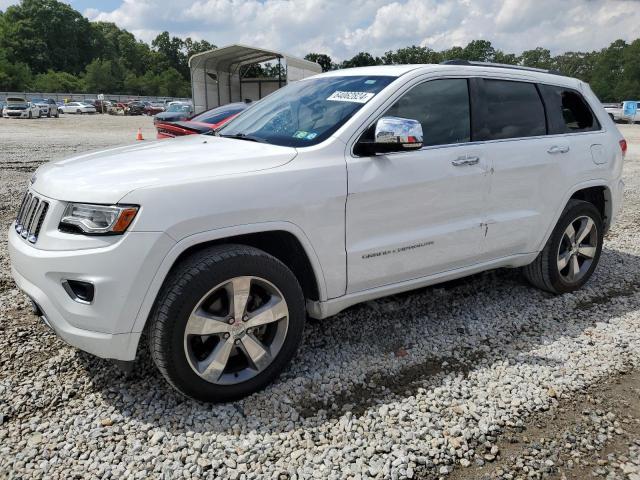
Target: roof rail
x=458, y=61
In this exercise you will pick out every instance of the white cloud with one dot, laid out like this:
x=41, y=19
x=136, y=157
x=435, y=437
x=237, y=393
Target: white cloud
x=342, y=28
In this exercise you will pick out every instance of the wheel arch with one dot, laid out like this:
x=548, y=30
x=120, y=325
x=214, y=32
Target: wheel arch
x=597, y=192
x=283, y=240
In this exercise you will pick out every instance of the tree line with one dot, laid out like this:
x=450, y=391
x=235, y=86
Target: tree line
x=47, y=46
x=613, y=72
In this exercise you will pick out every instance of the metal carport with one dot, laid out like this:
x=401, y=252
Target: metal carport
x=215, y=75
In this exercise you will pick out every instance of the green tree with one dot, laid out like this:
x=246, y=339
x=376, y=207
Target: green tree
x=409, y=55
x=321, y=59
x=479, y=51
x=13, y=75
x=537, y=58
x=113, y=43
x=454, y=53
x=505, y=58
x=576, y=64
x=362, y=59
x=47, y=34
x=629, y=83
x=103, y=76
x=57, y=82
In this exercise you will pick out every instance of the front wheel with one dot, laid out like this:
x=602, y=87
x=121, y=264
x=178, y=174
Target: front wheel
x=30, y=115
x=572, y=252
x=227, y=322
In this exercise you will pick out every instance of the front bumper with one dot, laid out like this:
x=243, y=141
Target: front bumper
x=16, y=114
x=120, y=272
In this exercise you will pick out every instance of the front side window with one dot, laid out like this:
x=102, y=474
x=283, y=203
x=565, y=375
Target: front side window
x=305, y=112
x=567, y=111
x=510, y=110
x=441, y=106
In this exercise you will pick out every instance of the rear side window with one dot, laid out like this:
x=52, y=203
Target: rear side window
x=567, y=111
x=441, y=106
x=510, y=110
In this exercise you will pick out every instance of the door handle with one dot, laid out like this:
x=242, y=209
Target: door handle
x=558, y=149
x=465, y=160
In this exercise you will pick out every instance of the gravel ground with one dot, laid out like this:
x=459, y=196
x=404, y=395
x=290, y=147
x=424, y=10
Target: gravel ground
x=482, y=377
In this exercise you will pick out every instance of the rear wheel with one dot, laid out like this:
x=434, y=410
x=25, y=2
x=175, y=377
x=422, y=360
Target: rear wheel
x=228, y=320
x=572, y=252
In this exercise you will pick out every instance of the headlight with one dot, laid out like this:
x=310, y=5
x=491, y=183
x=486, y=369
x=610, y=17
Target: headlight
x=97, y=219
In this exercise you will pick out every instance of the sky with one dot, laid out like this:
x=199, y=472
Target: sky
x=342, y=28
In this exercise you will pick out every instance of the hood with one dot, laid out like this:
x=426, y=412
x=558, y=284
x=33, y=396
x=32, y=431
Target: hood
x=107, y=176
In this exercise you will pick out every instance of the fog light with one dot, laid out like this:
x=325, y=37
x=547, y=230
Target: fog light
x=81, y=292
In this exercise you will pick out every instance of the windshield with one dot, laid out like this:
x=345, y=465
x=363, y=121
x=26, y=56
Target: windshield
x=178, y=108
x=306, y=112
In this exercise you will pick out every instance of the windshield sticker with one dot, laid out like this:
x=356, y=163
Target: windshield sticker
x=370, y=82
x=300, y=134
x=356, y=97
x=311, y=136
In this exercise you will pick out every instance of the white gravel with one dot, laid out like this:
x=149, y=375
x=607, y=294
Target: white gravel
x=416, y=385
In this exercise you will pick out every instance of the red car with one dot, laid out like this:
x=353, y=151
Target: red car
x=153, y=108
x=203, y=123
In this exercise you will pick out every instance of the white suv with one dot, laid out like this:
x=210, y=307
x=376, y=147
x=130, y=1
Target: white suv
x=336, y=189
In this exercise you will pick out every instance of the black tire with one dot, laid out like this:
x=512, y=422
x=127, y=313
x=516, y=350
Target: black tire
x=543, y=272
x=30, y=115
x=184, y=288
x=79, y=111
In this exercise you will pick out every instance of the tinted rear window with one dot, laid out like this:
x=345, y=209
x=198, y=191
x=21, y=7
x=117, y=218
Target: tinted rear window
x=510, y=110
x=567, y=111
x=217, y=114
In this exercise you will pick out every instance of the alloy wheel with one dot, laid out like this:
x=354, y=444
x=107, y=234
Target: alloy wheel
x=577, y=249
x=236, y=330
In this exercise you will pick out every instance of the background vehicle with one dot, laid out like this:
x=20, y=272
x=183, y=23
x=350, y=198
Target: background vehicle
x=47, y=106
x=135, y=108
x=617, y=111
x=175, y=112
x=77, y=107
x=333, y=190
x=153, y=108
x=18, y=107
x=203, y=123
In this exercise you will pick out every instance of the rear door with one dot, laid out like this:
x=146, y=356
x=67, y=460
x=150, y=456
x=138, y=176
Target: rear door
x=527, y=181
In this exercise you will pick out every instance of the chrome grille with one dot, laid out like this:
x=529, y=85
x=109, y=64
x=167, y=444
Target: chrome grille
x=30, y=217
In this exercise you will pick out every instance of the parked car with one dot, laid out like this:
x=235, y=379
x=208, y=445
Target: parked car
x=175, y=112
x=134, y=108
x=618, y=111
x=153, y=108
x=203, y=123
x=18, y=107
x=77, y=107
x=336, y=189
x=101, y=106
x=47, y=106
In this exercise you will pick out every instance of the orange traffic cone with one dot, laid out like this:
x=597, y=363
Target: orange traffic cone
x=139, y=136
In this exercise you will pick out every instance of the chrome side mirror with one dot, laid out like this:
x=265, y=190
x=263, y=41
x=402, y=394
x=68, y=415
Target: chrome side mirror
x=391, y=134
x=398, y=134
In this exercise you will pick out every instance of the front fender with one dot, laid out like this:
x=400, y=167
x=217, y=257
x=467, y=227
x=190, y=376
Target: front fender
x=219, y=234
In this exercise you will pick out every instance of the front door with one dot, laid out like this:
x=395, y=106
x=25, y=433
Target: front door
x=419, y=213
